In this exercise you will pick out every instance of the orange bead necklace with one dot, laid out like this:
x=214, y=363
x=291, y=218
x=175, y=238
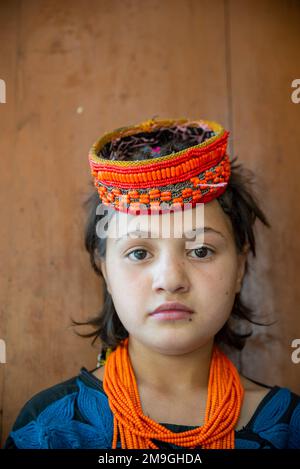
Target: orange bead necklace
x=136, y=430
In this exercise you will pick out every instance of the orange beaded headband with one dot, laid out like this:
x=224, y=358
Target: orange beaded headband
x=194, y=175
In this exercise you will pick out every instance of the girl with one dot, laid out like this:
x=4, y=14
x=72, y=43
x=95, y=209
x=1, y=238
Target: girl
x=172, y=304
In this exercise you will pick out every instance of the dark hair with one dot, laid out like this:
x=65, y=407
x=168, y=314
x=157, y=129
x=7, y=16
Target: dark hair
x=238, y=202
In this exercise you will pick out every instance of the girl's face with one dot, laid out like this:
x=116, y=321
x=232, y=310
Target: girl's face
x=142, y=273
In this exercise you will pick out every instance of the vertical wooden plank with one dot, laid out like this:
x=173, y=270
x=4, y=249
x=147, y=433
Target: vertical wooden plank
x=8, y=63
x=264, y=42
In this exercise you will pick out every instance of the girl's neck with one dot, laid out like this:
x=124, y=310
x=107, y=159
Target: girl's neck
x=170, y=374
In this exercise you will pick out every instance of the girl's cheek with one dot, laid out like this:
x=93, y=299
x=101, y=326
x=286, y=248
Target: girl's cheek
x=220, y=284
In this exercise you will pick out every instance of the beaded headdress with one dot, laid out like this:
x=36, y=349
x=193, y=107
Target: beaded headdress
x=196, y=174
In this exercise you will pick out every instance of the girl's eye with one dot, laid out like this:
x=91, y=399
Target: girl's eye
x=139, y=254
x=201, y=252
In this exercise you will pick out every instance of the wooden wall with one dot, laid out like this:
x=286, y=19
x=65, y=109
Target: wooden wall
x=74, y=69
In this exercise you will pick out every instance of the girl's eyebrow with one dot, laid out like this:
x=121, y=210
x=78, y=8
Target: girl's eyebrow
x=190, y=233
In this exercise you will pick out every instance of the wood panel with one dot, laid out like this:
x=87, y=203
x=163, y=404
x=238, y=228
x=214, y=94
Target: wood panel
x=8, y=64
x=265, y=59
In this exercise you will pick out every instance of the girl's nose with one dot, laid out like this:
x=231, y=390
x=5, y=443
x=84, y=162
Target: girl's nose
x=170, y=275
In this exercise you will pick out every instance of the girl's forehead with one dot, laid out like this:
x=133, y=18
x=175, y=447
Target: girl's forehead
x=180, y=224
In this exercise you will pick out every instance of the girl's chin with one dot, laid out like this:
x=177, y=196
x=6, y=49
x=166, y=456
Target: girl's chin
x=168, y=346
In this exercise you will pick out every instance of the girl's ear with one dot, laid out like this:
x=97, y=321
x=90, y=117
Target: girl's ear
x=242, y=258
x=104, y=273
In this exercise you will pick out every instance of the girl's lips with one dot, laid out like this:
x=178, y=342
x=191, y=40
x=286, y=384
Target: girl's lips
x=172, y=306
x=171, y=315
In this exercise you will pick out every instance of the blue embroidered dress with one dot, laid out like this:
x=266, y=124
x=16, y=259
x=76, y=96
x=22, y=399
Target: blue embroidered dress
x=76, y=414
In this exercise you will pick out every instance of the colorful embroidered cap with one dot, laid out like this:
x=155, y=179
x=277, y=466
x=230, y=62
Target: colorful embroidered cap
x=196, y=174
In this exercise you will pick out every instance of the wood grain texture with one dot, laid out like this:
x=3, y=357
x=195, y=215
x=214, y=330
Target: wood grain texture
x=77, y=69
x=265, y=59
x=8, y=65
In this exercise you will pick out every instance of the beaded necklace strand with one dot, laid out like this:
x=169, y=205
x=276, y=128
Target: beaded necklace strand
x=136, y=430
